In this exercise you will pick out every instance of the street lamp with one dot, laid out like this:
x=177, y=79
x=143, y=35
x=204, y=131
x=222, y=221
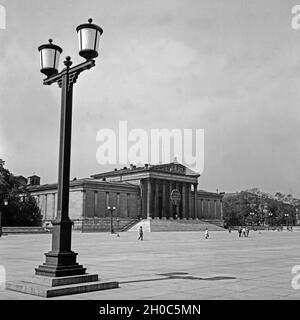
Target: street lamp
x=286, y=219
x=89, y=38
x=252, y=215
x=111, y=209
x=118, y=220
x=270, y=216
x=5, y=203
x=61, y=274
x=61, y=260
x=264, y=213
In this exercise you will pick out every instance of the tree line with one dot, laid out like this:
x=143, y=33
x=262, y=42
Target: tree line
x=249, y=208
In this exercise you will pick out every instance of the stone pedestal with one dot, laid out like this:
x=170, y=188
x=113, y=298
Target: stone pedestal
x=48, y=287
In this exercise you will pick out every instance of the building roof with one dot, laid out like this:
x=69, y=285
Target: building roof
x=80, y=183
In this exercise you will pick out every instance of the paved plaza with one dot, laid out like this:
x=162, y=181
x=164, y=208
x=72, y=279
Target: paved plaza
x=169, y=265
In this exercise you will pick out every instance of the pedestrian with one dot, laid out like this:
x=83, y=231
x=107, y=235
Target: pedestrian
x=141, y=234
x=247, y=232
x=206, y=234
x=243, y=232
x=240, y=231
x=229, y=229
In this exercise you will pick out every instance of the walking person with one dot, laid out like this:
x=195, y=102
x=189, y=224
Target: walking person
x=247, y=232
x=141, y=234
x=243, y=232
x=206, y=234
x=240, y=231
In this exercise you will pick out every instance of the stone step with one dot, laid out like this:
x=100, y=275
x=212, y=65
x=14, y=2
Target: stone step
x=46, y=291
x=163, y=225
x=23, y=230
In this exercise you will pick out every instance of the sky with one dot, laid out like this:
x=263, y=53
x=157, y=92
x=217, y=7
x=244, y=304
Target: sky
x=229, y=67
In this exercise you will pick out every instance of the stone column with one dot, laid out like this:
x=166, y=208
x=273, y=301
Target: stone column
x=170, y=202
x=118, y=211
x=208, y=209
x=196, y=200
x=221, y=208
x=148, y=198
x=83, y=203
x=164, y=198
x=156, y=200
x=215, y=202
x=53, y=208
x=190, y=201
x=143, y=204
x=45, y=206
x=184, y=201
x=96, y=214
x=178, y=205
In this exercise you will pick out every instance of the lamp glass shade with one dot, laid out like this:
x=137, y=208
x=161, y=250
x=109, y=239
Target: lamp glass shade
x=49, y=55
x=89, y=39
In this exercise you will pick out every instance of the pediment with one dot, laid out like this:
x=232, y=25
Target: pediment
x=177, y=168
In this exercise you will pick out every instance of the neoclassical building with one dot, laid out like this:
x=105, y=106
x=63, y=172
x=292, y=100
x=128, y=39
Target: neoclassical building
x=147, y=192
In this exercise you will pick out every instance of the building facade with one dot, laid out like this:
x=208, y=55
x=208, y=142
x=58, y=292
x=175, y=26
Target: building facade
x=137, y=193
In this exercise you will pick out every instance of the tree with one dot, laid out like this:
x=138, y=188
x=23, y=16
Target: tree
x=269, y=210
x=22, y=209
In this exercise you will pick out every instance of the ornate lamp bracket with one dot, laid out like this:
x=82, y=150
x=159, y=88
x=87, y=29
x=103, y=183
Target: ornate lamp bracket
x=71, y=72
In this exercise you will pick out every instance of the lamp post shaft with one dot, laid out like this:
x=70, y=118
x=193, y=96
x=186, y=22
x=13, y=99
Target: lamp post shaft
x=61, y=261
x=62, y=227
x=64, y=150
x=0, y=223
x=111, y=221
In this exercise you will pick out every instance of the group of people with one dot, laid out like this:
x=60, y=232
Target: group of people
x=243, y=232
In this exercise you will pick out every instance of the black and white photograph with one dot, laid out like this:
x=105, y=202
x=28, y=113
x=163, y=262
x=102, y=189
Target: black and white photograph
x=149, y=151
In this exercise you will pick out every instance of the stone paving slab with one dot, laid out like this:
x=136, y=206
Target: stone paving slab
x=221, y=267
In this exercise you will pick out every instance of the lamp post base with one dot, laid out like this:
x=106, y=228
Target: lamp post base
x=60, y=264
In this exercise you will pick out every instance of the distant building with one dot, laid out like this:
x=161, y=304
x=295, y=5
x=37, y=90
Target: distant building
x=34, y=180
x=136, y=192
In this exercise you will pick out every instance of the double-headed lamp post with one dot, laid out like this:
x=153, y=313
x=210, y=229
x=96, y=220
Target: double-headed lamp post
x=118, y=222
x=5, y=203
x=270, y=216
x=252, y=215
x=111, y=209
x=61, y=260
x=286, y=219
